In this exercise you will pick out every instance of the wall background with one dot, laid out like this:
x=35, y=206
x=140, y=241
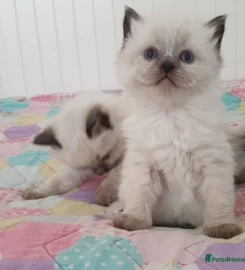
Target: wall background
x=49, y=46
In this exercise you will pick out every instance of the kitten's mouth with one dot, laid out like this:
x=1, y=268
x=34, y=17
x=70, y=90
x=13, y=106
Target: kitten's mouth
x=166, y=79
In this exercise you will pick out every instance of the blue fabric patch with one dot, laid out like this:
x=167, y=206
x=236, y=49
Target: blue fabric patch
x=53, y=111
x=231, y=102
x=107, y=252
x=12, y=105
x=10, y=177
x=31, y=158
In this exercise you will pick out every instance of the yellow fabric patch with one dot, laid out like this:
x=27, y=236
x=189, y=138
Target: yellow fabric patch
x=241, y=109
x=29, y=120
x=74, y=208
x=8, y=223
x=46, y=171
x=49, y=168
x=3, y=164
x=54, y=164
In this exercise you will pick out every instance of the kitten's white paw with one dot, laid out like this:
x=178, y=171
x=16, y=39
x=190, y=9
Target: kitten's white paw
x=129, y=222
x=225, y=231
x=106, y=194
x=32, y=193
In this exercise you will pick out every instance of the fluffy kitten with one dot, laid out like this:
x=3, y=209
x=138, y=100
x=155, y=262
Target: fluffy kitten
x=179, y=165
x=74, y=113
x=85, y=136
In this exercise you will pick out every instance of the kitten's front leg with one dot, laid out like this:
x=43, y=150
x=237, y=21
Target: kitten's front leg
x=138, y=193
x=107, y=192
x=219, y=197
x=58, y=184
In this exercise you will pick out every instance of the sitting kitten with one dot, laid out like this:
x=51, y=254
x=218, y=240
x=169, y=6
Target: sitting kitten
x=85, y=136
x=179, y=166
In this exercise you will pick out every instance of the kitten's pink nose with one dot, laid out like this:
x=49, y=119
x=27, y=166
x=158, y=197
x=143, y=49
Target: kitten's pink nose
x=167, y=66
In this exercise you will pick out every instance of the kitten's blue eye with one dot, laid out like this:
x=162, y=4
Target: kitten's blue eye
x=150, y=53
x=187, y=57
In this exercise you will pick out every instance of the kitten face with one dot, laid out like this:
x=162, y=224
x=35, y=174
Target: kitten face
x=84, y=139
x=169, y=52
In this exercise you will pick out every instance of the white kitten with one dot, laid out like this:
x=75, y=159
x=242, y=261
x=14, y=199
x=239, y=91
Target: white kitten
x=179, y=166
x=86, y=137
x=69, y=123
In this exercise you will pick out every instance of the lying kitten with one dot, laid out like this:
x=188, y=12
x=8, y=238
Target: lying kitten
x=85, y=136
x=179, y=165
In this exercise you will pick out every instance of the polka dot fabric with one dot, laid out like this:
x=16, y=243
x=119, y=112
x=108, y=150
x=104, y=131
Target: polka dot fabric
x=237, y=89
x=52, y=98
x=107, y=252
x=8, y=196
x=22, y=212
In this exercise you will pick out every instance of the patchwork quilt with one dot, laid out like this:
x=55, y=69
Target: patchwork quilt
x=70, y=232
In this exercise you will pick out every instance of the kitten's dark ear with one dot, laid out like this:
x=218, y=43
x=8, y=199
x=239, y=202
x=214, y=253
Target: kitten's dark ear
x=97, y=121
x=130, y=15
x=218, y=26
x=47, y=137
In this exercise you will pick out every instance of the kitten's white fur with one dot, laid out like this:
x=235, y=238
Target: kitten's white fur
x=179, y=165
x=79, y=153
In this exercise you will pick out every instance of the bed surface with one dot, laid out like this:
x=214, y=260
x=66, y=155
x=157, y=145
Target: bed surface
x=69, y=232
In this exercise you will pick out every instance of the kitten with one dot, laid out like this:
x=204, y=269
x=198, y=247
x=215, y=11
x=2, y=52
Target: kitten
x=75, y=112
x=179, y=165
x=85, y=137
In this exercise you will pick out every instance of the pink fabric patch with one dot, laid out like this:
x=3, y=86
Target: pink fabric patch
x=61, y=244
x=160, y=243
x=92, y=183
x=35, y=109
x=237, y=88
x=8, y=149
x=8, y=195
x=52, y=98
x=240, y=93
x=87, y=227
x=21, y=212
x=7, y=124
x=100, y=228
x=29, y=240
x=232, y=84
x=240, y=202
x=3, y=215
